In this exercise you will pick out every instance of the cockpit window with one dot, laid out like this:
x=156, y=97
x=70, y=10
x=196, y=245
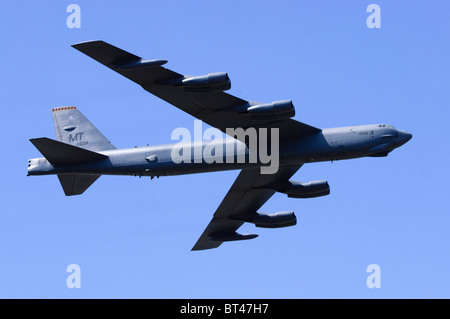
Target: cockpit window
x=385, y=125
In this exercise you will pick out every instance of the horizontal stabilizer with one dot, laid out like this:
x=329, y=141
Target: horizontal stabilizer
x=59, y=153
x=73, y=184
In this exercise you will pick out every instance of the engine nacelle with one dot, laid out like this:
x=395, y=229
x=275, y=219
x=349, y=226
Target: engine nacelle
x=273, y=111
x=306, y=190
x=213, y=82
x=277, y=220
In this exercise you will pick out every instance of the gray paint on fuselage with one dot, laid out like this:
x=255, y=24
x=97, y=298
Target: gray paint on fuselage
x=327, y=145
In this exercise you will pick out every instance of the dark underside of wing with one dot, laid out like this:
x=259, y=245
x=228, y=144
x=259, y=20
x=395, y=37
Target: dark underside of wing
x=249, y=192
x=204, y=98
x=214, y=107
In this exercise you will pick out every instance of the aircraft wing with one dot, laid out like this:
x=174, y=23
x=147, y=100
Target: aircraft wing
x=249, y=192
x=202, y=97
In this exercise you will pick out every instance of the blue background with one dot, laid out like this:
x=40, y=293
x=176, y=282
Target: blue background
x=132, y=237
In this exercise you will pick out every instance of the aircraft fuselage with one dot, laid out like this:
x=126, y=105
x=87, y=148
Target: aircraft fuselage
x=328, y=145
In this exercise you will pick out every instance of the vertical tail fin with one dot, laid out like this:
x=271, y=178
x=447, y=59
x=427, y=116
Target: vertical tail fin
x=73, y=128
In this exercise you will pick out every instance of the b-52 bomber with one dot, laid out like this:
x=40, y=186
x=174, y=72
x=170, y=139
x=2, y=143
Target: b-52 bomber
x=81, y=154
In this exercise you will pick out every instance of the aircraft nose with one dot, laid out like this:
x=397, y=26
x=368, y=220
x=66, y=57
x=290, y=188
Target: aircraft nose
x=409, y=136
x=404, y=136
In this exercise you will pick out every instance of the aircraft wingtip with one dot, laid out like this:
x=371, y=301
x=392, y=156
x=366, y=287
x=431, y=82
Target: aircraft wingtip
x=75, y=45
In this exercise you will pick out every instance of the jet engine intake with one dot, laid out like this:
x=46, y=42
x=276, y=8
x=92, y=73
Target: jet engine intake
x=277, y=110
x=213, y=82
x=312, y=189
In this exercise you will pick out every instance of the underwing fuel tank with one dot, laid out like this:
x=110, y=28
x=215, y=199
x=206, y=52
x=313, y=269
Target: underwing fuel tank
x=233, y=237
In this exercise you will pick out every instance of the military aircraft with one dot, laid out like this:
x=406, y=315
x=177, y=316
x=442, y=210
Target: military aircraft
x=81, y=154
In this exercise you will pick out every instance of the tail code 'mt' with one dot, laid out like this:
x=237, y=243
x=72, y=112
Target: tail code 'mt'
x=78, y=142
x=73, y=128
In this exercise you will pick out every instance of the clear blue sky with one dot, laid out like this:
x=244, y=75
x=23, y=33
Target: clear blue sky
x=132, y=237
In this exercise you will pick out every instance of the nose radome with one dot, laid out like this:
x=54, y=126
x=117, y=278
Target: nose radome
x=407, y=136
x=404, y=136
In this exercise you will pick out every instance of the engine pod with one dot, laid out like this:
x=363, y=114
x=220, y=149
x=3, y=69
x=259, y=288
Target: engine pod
x=277, y=220
x=311, y=189
x=210, y=83
x=273, y=111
